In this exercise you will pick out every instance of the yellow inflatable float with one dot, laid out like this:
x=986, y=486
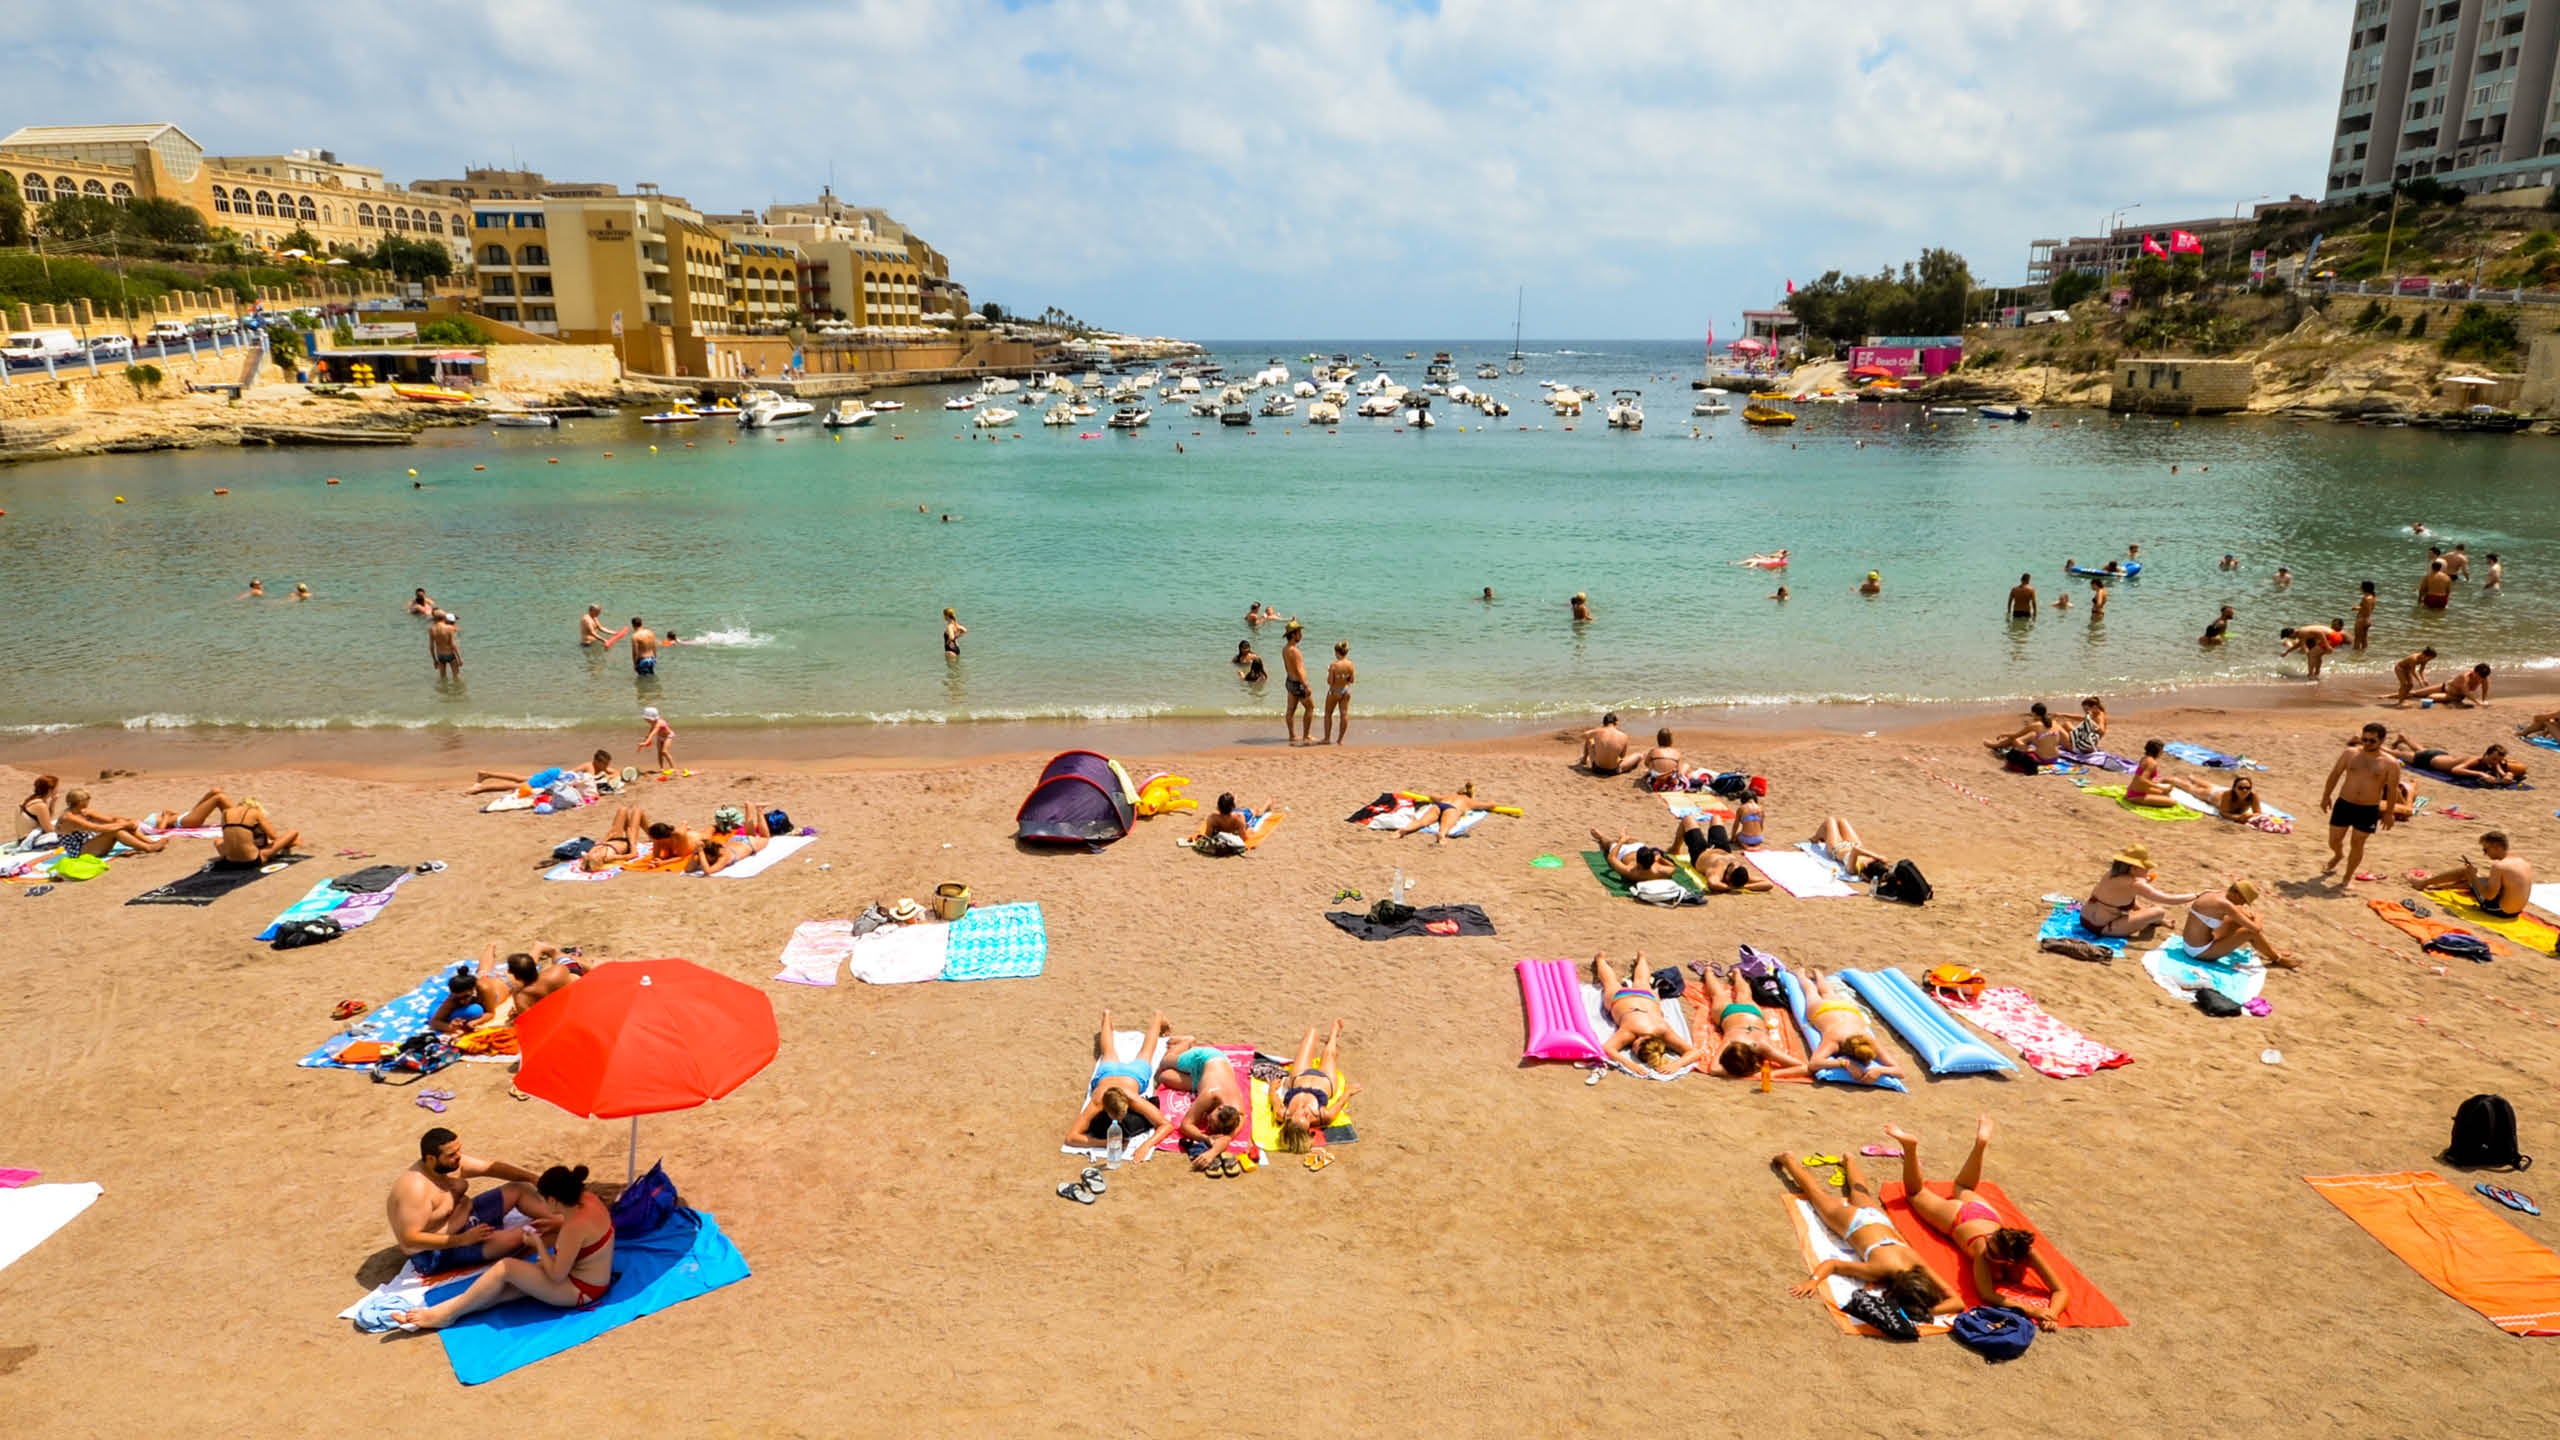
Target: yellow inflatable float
x=1163, y=793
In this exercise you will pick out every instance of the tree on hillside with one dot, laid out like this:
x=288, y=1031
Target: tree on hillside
x=169, y=222
x=13, y=212
x=411, y=260
x=993, y=312
x=302, y=240
x=1927, y=298
x=79, y=217
x=2073, y=286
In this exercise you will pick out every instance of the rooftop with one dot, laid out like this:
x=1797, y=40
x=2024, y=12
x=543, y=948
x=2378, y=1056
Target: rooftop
x=90, y=135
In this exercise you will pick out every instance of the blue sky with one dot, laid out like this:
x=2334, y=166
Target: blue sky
x=1227, y=168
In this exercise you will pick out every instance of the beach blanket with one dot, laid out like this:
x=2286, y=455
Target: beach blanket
x=571, y=872
x=520, y=800
x=899, y=954
x=2202, y=806
x=351, y=911
x=389, y=1023
x=2455, y=1243
x=997, y=942
x=30, y=1214
x=2210, y=759
x=1131, y=1043
x=2089, y=1309
x=2098, y=760
x=1616, y=884
x=1177, y=1103
x=775, y=851
x=2528, y=930
x=684, y=1258
x=216, y=879
x=2425, y=928
x=2546, y=897
x=2064, y=924
x=31, y=865
x=815, y=950
x=1266, y=1116
x=2052, y=1047
x=1705, y=809
x=1427, y=920
x=12, y=1179
x=2545, y=741
x=2465, y=781
x=2237, y=975
x=1395, y=812
x=1595, y=1016
x=2147, y=812
x=1806, y=877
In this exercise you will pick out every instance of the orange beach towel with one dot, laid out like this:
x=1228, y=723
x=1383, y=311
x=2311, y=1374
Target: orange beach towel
x=2399, y=917
x=2090, y=1308
x=1782, y=1033
x=2456, y=1244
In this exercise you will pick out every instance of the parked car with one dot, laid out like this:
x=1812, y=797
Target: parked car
x=119, y=347
x=171, y=334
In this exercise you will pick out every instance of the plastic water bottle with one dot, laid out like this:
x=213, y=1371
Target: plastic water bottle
x=1115, y=1146
x=1398, y=894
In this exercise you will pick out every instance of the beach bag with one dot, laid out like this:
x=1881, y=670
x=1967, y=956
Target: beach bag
x=79, y=867
x=2484, y=1136
x=1994, y=1332
x=1662, y=892
x=777, y=822
x=418, y=1057
x=318, y=930
x=1732, y=784
x=1870, y=1307
x=645, y=1203
x=572, y=849
x=1960, y=981
x=1905, y=883
x=1389, y=912
x=1668, y=983
x=2460, y=945
x=2216, y=1004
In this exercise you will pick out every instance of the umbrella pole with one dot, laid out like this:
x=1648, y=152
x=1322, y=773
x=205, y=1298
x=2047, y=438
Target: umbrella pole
x=631, y=1167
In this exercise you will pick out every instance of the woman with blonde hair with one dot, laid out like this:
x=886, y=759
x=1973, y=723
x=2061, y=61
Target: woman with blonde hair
x=1842, y=1035
x=1312, y=1094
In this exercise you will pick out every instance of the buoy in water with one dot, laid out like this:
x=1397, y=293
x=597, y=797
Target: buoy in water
x=653, y=449
x=479, y=467
x=333, y=479
x=413, y=472
x=554, y=460
x=608, y=454
x=221, y=492
x=119, y=499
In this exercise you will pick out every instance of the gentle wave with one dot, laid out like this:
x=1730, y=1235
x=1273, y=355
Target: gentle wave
x=737, y=637
x=163, y=720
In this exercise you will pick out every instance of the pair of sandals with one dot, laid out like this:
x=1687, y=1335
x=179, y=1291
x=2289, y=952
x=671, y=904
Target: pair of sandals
x=434, y=1100
x=1227, y=1168
x=2509, y=1198
x=1084, y=1187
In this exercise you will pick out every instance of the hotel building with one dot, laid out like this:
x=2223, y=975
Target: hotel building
x=2460, y=91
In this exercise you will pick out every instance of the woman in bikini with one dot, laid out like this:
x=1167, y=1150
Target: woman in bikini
x=1312, y=1095
x=1117, y=1093
x=247, y=838
x=1444, y=811
x=43, y=805
x=83, y=831
x=1337, y=693
x=723, y=848
x=1849, y=850
x=1842, y=1035
x=1249, y=666
x=2235, y=801
x=1643, y=1039
x=2001, y=1255
x=1218, y=1102
x=1884, y=1257
x=1742, y=1030
x=2117, y=908
x=573, y=1273
x=621, y=843
x=2145, y=787
x=2219, y=924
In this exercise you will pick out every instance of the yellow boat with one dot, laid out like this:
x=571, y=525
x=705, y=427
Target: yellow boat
x=439, y=394
x=1758, y=414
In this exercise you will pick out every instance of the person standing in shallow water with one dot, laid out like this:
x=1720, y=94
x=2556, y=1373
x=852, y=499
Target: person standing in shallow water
x=1581, y=608
x=1293, y=668
x=1337, y=693
x=952, y=630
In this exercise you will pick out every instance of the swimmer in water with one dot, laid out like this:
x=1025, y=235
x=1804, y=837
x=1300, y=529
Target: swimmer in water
x=257, y=591
x=1781, y=595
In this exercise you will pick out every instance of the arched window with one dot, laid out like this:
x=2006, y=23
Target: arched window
x=37, y=192
x=266, y=203
x=94, y=188
x=400, y=219
x=435, y=222
x=493, y=255
x=327, y=216
x=121, y=193
x=308, y=211
x=364, y=216
x=65, y=187
x=533, y=255
x=221, y=201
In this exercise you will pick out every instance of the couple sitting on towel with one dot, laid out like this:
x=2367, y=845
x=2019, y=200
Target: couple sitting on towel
x=472, y=998
x=735, y=834
x=2000, y=1254
x=443, y=1227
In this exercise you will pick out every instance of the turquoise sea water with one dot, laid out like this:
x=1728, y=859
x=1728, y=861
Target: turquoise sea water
x=1108, y=577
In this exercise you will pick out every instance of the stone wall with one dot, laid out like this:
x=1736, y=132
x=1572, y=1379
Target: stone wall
x=27, y=396
x=553, y=367
x=2540, y=393
x=2181, y=387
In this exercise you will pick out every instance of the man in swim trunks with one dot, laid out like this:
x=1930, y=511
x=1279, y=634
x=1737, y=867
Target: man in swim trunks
x=591, y=629
x=1604, y=749
x=2313, y=641
x=2436, y=590
x=2022, y=598
x=1873, y=585
x=2284, y=578
x=1293, y=667
x=438, y=1222
x=644, y=648
x=444, y=645
x=2364, y=777
x=1643, y=1039
x=2504, y=888
x=2466, y=690
x=2410, y=670
x=2490, y=768
x=2219, y=626
x=2458, y=564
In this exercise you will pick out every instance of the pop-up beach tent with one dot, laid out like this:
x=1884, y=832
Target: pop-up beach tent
x=1082, y=799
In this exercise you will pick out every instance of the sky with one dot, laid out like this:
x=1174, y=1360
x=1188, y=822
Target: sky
x=1326, y=169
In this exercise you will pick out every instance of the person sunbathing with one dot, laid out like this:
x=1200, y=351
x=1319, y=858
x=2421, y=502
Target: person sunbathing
x=1884, y=1257
x=83, y=831
x=471, y=999
x=1312, y=1094
x=1840, y=839
x=1444, y=811
x=2115, y=907
x=1231, y=828
x=2144, y=786
x=2001, y=1255
x=1742, y=1027
x=2545, y=726
x=599, y=768
x=1842, y=1035
x=247, y=837
x=2219, y=924
x=669, y=841
x=1729, y=877
x=573, y=1272
x=2031, y=748
x=1218, y=1102
x=43, y=804
x=2467, y=689
x=621, y=843
x=1117, y=1093
x=1643, y=1038
x=534, y=974
x=2490, y=767
x=2235, y=801
x=744, y=835
x=1632, y=862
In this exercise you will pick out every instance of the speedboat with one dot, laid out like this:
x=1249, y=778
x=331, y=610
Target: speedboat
x=883, y=407
x=1948, y=410
x=1624, y=411
x=1081, y=410
x=963, y=402
x=1440, y=367
x=1205, y=409
x=1488, y=371
x=1237, y=413
x=2003, y=412
x=998, y=385
x=1129, y=417
x=1418, y=416
x=524, y=420
x=775, y=410
x=1279, y=405
x=994, y=417
x=1324, y=412
x=678, y=414
x=848, y=414
x=1711, y=407
x=1378, y=406
x=1058, y=415
x=1493, y=407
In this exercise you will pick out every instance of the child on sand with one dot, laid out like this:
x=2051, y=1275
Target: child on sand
x=662, y=735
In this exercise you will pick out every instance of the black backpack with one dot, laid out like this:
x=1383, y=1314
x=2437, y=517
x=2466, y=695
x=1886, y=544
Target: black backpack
x=294, y=934
x=1905, y=883
x=2484, y=1136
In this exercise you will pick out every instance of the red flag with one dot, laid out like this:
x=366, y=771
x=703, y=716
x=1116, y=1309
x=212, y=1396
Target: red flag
x=2185, y=243
x=1791, y=287
x=2151, y=246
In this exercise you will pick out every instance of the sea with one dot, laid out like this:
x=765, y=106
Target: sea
x=1106, y=576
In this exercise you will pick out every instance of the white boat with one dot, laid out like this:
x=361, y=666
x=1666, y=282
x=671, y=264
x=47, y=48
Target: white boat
x=1091, y=380
x=1324, y=412
x=1493, y=407
x=963, y=402
x=1304, y=390
x=1129, y=417
x=1205, y=409
x=1948, y=410
x=998, y=385
x=678, y=414
x=1279, y=405
x=524, y=420
x=883, y=407
x=848, y=414
x=1625, y=411
x=1461, y=395
x=1566, y=400
x=1060, y=385
x=1080, y=410
x=1711, y=407
x=1233, y=395
x=775, y=410
x=1187, y=385
x=1058, y=415
x=1126, y=393
x=1488, y=371
x=994, y=417
x=1378, y=406
x=1417, y=415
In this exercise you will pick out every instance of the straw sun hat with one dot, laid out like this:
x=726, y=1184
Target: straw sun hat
x=2134, y=855
x=906, y=911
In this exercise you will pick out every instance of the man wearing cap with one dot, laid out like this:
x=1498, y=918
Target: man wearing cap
x=1293, y=664
x=2361, y=782
x=2218, y=925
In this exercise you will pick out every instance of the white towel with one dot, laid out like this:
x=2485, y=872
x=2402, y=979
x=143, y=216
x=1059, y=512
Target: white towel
x=2546, y=898
x=900, y=954
x=764, y=859
x=817, y=947
x=1595, y=1014
x=1124, y=1044
x=1806, y=877
x=31, y=1213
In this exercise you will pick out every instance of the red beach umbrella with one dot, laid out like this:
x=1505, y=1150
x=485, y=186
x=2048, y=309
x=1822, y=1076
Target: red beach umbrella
x=641, y=1037
x=1878, y=372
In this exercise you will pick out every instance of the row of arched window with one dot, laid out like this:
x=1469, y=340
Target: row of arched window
x=37, y=191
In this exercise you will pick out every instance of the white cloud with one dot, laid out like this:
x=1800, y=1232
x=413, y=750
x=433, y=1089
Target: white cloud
x=1333, y=167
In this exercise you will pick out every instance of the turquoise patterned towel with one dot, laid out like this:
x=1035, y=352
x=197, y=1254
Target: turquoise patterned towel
x=998, y=942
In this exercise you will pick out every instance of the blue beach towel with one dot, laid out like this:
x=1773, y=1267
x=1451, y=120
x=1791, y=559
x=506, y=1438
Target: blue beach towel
x=2064, y=924
x=2545, y=741
x=391, y=1024
x=2209, y=758
x=997, y=942
x=2179, y=972
x=684, y=1258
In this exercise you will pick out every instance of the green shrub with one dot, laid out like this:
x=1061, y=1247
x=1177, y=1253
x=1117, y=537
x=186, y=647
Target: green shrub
x=2483, y=334
x=2390, y=325
x=2418, y=328
x=143, y=378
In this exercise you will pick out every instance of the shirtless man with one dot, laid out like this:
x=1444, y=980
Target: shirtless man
x=2315, y=642
x=2022, y=598
x=2218, y=627
x=533, y=974
x=1604, y=750
x=644, y=648
x=2436, y=590
x=419, y=604
x=1293, y=668
x=2503, y=888
x=2359, y=783
x=1581, y=607
x=1337, y=693
x=2410, y=670
x=1643, y=1039
x=2458, y=564
x=2364, y=615
x=444, y=645
x=2467, y=689
x=591, y=629
x=436, y=1220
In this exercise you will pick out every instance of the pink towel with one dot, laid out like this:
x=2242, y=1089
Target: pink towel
x=12, y=1179
x=2052, y=1047
x=1177, y=1103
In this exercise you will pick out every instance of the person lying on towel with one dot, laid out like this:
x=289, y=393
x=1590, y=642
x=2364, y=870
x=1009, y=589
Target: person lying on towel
x=2490, y=767
x=1117, y=1093
x=1885, y=1259
x=1643, y=1038
x=572, y=1272
x=1218, y=1102
x=1230, y=829
x=1311, y=1095
x=437, y=1222
x=1842, y=1035
x=1743, y=1044
x=471, y=1000
x=2001, y=1255
x=493, y=782
x=1634, y=862
x=735, y=835
x=534, y=974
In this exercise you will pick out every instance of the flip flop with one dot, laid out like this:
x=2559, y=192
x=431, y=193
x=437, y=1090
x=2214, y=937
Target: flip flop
x=1817, y=1162
x=347, y=1010
x=1879, y=1152
x=1229, y=1167
x=430, y=1102
x=2508, y=1198
x=36, y=890
x=1318, y=1159
x=1093, y=1180
x=1074, y=1190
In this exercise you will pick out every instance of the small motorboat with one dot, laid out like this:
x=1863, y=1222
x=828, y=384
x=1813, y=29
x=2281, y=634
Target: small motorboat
x=848, y=414
x=1129, y=417
x=1279, y=405
x=2003, y=412
x=433, y=394
x=1488, y=371
x=1625, y=413
x=678, y=414
x=1324, y=412
x=1757, y=413
x=998, y=385
x=1058, y=415
x=883, y=407
x=994, y=417
x=1948, y=410
x=1711, y=407
x=1237, y=413
x=963, y=402
x=524, y=420
x=775, y=410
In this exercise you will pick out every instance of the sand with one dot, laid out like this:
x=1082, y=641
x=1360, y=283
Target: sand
x=1505, y=1251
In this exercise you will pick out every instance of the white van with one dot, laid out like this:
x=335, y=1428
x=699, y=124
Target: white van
x=32, y=345
x=167, y=333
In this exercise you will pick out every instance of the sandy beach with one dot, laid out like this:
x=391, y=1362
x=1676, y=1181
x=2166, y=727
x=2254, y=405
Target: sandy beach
x=1506, y=1250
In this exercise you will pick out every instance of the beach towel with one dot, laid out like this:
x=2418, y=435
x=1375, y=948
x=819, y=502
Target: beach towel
x=1131, y=1043
x=2465, y=781
x=2064, y=924
x=2052, y=1047
x=2425, y=928
x=2202, y=806
x=349, y=910
x=775, y=851
x=2098, y=760
x=1705, y=809
x=682, y=1259
x=30, y=1214
x=2237, y=975
x=1616, y=884
x=12, y=1179
x=1427, y=920
x=388, y=1024
x=899, y=954
x=1782, y=1033
x=1595, y=1015
x=2456, y=1243
x=1266, y=1116
x=1177, y=1103
x=520, y=800
x=2089, y=1309
x=1806, y=877
x=2545, y=741
x=2210, y=759
x=2147, y=812
x=218, y=878
x=572, y=872
x=815, y=950
x=2528, y=930
x=2546, y=897
x=997, y=942
x=1799, y=1010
